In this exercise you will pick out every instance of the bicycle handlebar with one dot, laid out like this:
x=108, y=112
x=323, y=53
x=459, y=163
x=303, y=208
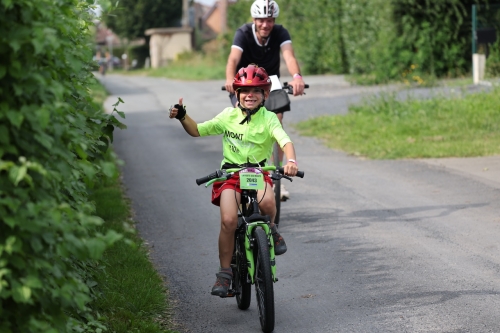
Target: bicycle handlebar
x=299, y=174
x=215, y=175
x=223, y=175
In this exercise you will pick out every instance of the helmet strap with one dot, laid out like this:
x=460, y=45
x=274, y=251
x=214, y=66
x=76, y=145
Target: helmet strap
x=249, y=112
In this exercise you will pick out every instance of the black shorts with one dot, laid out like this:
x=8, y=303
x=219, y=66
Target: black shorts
x=285, y=108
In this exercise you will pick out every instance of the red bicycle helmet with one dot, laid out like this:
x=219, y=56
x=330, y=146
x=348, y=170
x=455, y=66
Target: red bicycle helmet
x=252, y=76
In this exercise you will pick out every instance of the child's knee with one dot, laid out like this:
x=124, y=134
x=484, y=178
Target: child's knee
x=228, y=223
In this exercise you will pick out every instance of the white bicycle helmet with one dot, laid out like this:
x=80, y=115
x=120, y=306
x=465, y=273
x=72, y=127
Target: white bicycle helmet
x=264, y=8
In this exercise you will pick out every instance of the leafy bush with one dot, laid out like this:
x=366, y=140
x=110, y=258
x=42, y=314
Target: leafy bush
x=493, y=61
x=52, y=137
x=378, y=40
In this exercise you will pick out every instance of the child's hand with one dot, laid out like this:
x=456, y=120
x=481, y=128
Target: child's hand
x=290, y=168
x=174, y=111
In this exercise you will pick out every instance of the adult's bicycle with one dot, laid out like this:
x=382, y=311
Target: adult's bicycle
x=253, y=260
x=278, y=100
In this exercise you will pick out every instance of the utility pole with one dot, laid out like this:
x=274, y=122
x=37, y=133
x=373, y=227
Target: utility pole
x=223, y=16
x=185, y=13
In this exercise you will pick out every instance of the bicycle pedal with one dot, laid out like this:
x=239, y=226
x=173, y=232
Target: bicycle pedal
x=231, y=293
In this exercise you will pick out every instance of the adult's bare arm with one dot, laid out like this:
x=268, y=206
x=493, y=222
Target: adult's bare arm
x=293, y=67
x=232, y=62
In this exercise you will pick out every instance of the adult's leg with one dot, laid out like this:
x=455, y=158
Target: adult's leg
x=267, y=203
x=267, y=206
x=229, y=221
x=280, y=117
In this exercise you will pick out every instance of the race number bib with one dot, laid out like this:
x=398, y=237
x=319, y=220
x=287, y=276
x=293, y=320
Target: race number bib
x=251, y=179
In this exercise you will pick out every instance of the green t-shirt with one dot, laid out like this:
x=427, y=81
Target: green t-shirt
x=251, y=142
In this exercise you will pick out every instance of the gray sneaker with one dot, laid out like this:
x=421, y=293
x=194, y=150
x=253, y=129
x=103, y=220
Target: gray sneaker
x=222, y=284
x=279, y=242
x=285, y=195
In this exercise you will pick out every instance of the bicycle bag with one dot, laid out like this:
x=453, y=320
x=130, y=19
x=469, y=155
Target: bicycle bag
x=278, y=101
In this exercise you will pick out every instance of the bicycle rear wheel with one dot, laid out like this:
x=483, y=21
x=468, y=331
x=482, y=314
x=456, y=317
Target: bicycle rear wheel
x=241, y=285
x=264, y=291
x=277, y=183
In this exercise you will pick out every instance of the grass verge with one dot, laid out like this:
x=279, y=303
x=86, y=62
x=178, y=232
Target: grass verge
x=193, y=67
x=387, y=128
x=130, y=294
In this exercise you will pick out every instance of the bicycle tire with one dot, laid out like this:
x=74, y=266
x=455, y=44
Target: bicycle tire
x=241, y=285
x=264, y=291
x=277, y=183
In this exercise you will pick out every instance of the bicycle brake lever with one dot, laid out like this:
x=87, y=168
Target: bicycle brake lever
x=276, y=176
x=289, y=178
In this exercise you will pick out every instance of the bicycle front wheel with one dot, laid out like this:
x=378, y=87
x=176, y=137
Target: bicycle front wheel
x=241, y=285
x=264, y=291
x=277, y=183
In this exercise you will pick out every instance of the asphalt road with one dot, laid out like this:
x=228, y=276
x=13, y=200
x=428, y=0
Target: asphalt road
x=374, y=246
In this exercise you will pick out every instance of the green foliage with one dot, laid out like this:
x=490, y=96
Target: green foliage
x=388, y=128
x=52, y=139
x=238, y=14
x=493, y=61
x=316, y=31
x=378, y=40
x=368, y=39
x=131, y=18
x=430, y=33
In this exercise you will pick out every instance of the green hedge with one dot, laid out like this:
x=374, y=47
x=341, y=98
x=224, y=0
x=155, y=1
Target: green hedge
x=493, y=61
x=52, y=138
x=379, y=39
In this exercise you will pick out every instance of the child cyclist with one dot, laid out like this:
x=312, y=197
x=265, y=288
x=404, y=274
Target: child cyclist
x=249, y=132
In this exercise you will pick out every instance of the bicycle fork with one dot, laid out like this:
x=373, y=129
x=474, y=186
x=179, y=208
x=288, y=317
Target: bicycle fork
x=250, y=246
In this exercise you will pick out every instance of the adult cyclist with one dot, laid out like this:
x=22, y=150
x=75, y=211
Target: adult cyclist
x=249, y=132
x=260, y=43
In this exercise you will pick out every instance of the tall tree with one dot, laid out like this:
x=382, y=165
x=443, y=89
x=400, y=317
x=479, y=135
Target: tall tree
x=130, y=18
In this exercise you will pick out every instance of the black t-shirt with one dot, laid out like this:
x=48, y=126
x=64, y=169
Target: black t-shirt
x=267, y=56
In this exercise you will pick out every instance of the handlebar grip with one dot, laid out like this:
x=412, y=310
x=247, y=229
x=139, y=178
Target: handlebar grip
x=208, y=178
x=223, y=88
x=285, y=84
x=299, y=174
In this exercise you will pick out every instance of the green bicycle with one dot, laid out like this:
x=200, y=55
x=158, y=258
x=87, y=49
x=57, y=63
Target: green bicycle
x=253, y=256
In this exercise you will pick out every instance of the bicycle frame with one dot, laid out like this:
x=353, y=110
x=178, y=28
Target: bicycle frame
x=249, y=229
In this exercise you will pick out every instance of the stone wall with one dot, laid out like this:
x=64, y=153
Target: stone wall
x=166, y=43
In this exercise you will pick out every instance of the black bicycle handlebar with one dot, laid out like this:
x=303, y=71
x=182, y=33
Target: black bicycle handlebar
x=287, y=86
x=299, y=174
x=203, y=180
